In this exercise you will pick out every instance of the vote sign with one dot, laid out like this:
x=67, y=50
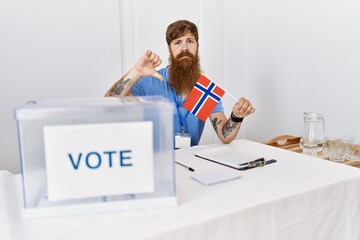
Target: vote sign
x=94, y=160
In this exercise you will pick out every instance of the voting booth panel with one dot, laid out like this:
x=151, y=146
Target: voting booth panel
x=93, y=155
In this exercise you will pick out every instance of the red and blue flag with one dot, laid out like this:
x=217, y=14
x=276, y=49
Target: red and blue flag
x=203, y=98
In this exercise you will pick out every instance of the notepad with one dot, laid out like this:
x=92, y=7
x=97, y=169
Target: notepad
x=229, y=157
x=215, y=176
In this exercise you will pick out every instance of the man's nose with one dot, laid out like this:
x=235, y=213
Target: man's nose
x=184, y=47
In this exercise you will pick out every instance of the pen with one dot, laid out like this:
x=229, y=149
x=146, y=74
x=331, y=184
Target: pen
x=190, y=169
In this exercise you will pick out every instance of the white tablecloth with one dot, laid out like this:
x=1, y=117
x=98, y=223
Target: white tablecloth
x=299, y=197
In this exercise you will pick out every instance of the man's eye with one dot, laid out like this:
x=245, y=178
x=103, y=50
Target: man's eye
x=176, y=43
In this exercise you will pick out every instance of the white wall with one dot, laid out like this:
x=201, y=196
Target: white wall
x=303, y=56
x=53, y=49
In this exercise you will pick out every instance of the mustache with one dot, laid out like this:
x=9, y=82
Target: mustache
x=185, y=54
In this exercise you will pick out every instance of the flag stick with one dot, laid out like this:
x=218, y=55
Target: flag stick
x=231, y=96
x=224, y=90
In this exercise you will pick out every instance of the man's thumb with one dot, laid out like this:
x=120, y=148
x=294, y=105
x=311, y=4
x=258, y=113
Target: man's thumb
x=158, y=76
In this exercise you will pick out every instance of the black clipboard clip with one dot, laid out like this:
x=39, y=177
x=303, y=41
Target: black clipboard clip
x=256, y=163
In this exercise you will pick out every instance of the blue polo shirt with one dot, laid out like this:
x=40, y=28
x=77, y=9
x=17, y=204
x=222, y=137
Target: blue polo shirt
x=148, y=86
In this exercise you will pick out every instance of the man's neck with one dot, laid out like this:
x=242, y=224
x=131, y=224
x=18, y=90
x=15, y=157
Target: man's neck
x=184, y=95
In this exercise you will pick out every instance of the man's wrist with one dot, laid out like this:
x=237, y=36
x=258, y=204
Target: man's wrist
x=134, y=74
x=235, y=118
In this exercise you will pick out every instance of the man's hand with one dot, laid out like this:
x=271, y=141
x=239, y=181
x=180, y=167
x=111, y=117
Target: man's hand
x=146, y=65
x=243, y=108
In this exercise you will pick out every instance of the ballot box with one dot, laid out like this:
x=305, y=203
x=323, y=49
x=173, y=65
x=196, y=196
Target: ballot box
x=94, y=155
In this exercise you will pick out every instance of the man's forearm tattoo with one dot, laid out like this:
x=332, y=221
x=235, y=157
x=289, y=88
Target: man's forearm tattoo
x=228, y=128
x=120, y=86
x=215, y=122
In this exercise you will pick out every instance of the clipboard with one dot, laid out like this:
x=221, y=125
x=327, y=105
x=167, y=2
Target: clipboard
x=234, y=159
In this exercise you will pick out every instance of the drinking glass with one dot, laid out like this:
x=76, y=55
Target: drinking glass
x=312, y=138
x=337, y=150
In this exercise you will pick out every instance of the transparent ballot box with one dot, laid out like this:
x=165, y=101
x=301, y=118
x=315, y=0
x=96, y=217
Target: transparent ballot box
x=95, y=155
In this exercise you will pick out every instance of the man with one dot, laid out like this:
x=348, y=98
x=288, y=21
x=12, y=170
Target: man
x=176, y=81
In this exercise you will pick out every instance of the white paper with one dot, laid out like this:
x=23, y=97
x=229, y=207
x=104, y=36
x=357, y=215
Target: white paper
x=104, y=159
x=215, y=176
x=227, y=156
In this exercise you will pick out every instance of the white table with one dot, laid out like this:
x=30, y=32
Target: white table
x=299, y=197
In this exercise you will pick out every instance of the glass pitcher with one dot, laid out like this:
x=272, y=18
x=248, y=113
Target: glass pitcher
x=312, y=139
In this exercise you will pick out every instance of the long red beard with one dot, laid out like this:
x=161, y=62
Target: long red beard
x=185, y=72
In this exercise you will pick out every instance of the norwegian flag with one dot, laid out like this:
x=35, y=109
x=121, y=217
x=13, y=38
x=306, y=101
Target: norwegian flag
x=203, y=98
